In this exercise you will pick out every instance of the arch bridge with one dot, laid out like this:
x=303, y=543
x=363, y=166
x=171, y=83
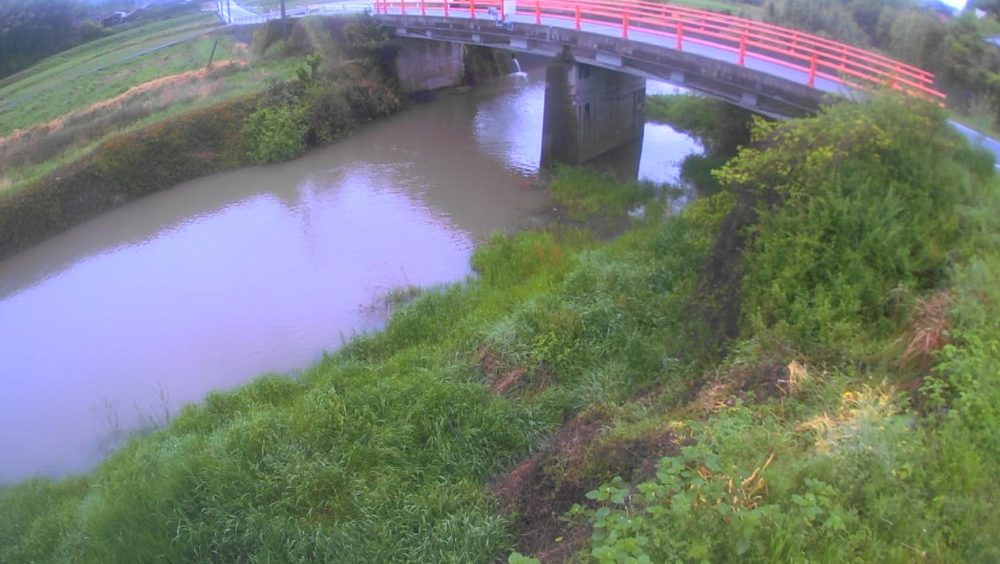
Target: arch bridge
x=603, y=51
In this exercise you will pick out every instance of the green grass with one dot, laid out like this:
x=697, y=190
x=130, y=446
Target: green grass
x=105, y=68
x=585, y=194
x=68, y=85
x=235, y=85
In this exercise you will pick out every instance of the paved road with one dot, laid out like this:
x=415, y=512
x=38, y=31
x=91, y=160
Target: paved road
x=980, y=139
x=243, y=16
x=233, y=13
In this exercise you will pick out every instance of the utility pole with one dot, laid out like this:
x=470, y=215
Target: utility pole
x=284, y=22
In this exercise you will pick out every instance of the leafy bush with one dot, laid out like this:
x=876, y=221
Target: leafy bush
x=845, y=469
x=328, y=113
x=697, y=170
x=276, y=133
x=269, y=37
x=371, y=98
x=852, y=204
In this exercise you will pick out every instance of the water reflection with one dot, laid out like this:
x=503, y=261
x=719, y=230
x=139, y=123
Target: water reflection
x=253, y=288
x=509, y=128
x=204, y=286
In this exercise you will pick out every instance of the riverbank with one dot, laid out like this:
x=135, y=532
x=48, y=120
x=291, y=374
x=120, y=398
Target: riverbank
x=340, y=77
x=277, y=263
x=799, y=366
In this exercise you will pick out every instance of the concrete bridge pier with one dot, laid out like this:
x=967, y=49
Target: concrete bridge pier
x=589, y=111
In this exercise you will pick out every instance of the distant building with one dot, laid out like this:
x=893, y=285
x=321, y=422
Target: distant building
x=115, y=18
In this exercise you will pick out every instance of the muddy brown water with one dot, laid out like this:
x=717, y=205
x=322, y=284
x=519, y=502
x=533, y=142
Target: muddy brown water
x=112, y=325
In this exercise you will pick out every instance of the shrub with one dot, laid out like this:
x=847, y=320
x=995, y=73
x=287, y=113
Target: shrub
x=276, y=133
x=371, y=98
x=269, y=37
x=852, y=204
x=328, y=113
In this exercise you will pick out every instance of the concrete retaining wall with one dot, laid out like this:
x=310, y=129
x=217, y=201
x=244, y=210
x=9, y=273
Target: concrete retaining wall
x=429, y=65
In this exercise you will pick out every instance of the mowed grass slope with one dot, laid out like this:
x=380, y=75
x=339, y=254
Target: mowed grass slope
x=105, y=68
x=61, y=109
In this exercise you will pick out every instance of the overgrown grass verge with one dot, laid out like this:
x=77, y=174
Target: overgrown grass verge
x=820, y=437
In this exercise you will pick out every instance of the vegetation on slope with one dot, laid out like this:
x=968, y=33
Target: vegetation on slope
x=33, y=29
x=145, y=102
x=179, y=126
x=802, y=366
x=69, y=103
x=849, y=421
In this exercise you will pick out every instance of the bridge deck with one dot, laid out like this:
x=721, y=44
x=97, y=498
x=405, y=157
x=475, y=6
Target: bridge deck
x=753, y=39
x=667, y=40
x=819, y=63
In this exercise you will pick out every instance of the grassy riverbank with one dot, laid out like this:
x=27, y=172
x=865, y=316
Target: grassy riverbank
x=802, y=366
x=163, y=126
x=72, y=120
x=139, y=112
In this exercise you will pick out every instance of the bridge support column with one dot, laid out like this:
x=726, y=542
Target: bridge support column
x=589, y=111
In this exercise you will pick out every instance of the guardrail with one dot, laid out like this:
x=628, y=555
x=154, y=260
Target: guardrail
x=245, y=17
x=679, y=27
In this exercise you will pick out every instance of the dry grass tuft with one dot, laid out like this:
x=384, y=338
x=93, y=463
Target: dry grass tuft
x=797, y=375
x=866, y=407
x=929, y=329
x=761, y=382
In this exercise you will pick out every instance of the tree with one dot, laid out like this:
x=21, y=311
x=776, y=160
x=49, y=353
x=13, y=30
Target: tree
x=31, y=30
x=916, y=38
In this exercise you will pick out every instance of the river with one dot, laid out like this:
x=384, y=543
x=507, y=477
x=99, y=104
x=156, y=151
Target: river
x=109, y=327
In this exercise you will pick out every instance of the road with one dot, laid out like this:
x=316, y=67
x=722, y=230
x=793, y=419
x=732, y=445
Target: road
x=232, y=12
x=980, y=140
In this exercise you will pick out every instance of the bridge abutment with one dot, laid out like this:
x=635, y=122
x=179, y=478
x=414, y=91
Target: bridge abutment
x=429, y=65
x=589, y=111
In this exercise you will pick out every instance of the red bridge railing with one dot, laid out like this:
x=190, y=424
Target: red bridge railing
x=681, y=27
